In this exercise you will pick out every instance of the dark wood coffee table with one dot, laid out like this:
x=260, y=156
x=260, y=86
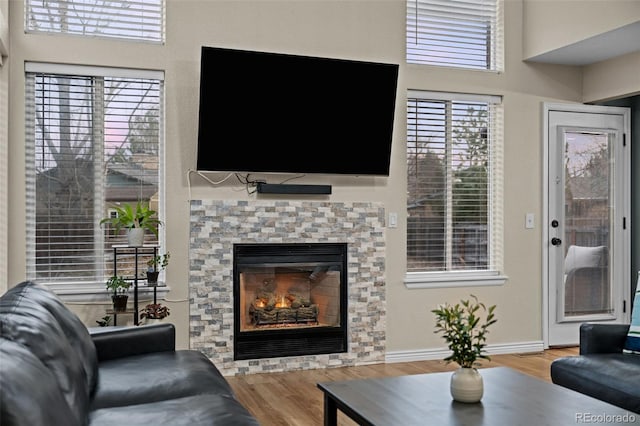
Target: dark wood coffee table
x=510, y=398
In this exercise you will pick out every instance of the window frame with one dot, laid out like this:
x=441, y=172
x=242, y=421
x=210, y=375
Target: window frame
x=470, y=13
x=135, y=21
x=89, y=290
x=492, y=276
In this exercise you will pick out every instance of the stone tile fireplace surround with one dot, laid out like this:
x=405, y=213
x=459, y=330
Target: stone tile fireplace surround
x=217, y=225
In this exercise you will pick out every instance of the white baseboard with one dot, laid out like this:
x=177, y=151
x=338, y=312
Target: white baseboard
x=441, y=353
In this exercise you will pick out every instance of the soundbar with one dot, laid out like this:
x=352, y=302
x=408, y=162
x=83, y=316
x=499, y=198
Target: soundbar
x=282, y=188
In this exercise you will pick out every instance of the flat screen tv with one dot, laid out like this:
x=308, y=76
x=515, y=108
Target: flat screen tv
x=267, y=112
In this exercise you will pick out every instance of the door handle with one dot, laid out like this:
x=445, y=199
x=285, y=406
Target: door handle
x=556, y=241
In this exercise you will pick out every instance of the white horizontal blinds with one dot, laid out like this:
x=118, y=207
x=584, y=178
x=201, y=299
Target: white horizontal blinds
x=129, y=19
x=64, y=178
x=91, y=142
x=131, y=156
x=450, y=195
x=457, y=33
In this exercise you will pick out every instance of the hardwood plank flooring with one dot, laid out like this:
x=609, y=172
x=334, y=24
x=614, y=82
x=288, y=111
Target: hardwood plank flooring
x=293, y=399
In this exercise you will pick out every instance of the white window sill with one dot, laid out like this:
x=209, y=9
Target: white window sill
x=417, y=280
x=97, y=293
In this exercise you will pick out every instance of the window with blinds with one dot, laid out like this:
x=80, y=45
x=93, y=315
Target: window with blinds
x=454, y=170
x=93, y=141
x=455, y=33
x=142, y=20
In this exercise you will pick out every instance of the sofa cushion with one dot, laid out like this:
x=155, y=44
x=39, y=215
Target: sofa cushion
x=155, y=377
x=27, y=318
x=76, y=332
x=196, y=410
x=632, y=344
x=29, y=392
x=612, y=378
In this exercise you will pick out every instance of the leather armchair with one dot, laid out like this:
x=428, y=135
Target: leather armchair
x=602, y=370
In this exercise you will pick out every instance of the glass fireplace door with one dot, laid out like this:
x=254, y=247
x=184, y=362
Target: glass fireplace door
x=289, y=299
x=289, y=295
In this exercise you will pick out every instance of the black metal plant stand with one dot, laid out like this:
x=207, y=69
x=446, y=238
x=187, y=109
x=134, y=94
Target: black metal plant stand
x=125, y=250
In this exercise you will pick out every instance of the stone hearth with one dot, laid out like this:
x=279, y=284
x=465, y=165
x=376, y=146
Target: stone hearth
x=217, y=225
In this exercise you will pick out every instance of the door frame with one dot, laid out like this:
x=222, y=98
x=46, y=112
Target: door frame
x=545, y=223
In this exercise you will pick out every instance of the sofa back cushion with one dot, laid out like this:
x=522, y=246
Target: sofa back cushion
x=75, y=331
x=35, y=318
x=30, y=393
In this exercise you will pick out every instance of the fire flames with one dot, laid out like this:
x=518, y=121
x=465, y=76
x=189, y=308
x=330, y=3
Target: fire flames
x=282, y=302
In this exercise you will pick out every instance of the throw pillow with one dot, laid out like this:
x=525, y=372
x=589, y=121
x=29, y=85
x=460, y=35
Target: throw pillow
x=632, y=344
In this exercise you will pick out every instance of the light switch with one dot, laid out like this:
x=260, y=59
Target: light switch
x=528, y=221
x=393, y=220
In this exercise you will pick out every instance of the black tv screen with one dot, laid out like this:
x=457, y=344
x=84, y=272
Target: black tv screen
x=282, y=113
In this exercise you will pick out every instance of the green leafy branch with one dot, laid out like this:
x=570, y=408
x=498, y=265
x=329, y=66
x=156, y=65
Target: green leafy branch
x=462, y=329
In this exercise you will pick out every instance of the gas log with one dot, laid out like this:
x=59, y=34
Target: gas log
x=269, y=308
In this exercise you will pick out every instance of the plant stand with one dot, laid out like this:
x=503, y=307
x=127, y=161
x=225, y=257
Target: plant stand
x=120, y=251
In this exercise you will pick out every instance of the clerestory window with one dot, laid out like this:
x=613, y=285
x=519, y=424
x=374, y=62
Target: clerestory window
x=462, y=33
x=141, y=20
x=94, y=140
x=454, y=197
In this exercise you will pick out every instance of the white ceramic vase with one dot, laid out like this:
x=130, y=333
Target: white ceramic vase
x=467, y=385
x=149, y=321
x=135, y=237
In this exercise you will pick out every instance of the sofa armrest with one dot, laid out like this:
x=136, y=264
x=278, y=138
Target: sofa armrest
x=119, y=342
x=598, y=338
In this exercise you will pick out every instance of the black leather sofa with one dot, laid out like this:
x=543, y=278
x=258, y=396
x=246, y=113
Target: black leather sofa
x=602, y=370
x=54, y=371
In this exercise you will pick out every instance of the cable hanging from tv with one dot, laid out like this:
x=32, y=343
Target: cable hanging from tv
x=259, y=186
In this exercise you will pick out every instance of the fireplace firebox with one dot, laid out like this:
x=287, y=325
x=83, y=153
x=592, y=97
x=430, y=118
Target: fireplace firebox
x=289, y=299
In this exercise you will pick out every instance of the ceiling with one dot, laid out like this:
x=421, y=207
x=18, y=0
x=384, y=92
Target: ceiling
x=595, y=49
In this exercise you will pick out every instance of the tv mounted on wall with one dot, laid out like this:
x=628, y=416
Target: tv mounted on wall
x=264, y=112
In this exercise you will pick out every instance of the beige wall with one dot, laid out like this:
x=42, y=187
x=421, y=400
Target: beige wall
x=524, y=87
x=552, y=24
x=4, y=141
x=615, y=78
x=366, y=30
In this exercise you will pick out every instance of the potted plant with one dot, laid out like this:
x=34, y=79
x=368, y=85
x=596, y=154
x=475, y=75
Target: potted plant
x=154, y=312
x=465, y=332
x=136, y=220
x=104, y=321
x=155, y=265
x=118, y=287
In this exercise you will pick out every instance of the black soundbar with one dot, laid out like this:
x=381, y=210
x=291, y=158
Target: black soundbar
x=282, y=188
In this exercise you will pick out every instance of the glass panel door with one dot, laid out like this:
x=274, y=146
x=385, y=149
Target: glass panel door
x=587, y=218
x=586, y=237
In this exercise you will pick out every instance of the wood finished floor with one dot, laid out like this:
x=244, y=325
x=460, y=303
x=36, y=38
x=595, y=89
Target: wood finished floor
x=293, y=399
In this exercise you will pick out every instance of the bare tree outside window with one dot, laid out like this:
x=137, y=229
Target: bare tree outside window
x=92, y=140
x=141, y=20
x=95, y=143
